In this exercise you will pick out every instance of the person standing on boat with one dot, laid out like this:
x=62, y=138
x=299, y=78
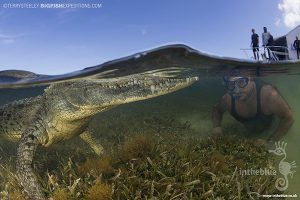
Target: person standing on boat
x=255, y=44
x=255, y=104
x=265, y=39
x=297, y=46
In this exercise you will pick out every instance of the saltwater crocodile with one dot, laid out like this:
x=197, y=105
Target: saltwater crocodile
x=64, y=111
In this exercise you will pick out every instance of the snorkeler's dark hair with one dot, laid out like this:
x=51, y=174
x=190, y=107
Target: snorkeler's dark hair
x=235, y=72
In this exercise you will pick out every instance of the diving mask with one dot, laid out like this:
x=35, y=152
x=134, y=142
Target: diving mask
x=240, y=82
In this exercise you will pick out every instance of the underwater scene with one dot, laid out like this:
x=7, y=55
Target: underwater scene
x=142, y=127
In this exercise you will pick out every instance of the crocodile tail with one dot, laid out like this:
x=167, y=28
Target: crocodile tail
x=282, y=183
x=25, y=154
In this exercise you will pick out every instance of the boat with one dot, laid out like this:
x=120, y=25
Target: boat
x=282, y=49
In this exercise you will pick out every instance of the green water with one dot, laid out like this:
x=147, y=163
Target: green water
x=288, y=86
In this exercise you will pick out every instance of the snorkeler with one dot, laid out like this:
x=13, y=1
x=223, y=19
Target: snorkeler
x=253, y=103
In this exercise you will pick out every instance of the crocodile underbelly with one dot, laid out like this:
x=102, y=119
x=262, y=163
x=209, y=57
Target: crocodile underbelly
x=64, y=131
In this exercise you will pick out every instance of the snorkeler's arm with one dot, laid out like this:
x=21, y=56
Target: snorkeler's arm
x=280, y=108
x=218, y=111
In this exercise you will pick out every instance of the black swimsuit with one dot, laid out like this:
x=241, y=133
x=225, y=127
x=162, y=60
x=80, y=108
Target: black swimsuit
x=260, y=121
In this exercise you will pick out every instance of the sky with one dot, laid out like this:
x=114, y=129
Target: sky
x=84, y=33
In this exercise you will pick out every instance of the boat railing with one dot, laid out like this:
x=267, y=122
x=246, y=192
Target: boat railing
x=268, y=53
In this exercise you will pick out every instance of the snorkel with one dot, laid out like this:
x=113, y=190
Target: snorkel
x=232, y=93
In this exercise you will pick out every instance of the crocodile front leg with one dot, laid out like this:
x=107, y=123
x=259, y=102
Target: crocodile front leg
x=87, y=137
x=25, y=153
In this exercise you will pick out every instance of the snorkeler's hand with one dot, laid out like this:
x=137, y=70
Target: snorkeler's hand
x=217, y=132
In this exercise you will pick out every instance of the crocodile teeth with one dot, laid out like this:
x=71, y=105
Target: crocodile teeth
x=157, y=87
x=152, y=88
